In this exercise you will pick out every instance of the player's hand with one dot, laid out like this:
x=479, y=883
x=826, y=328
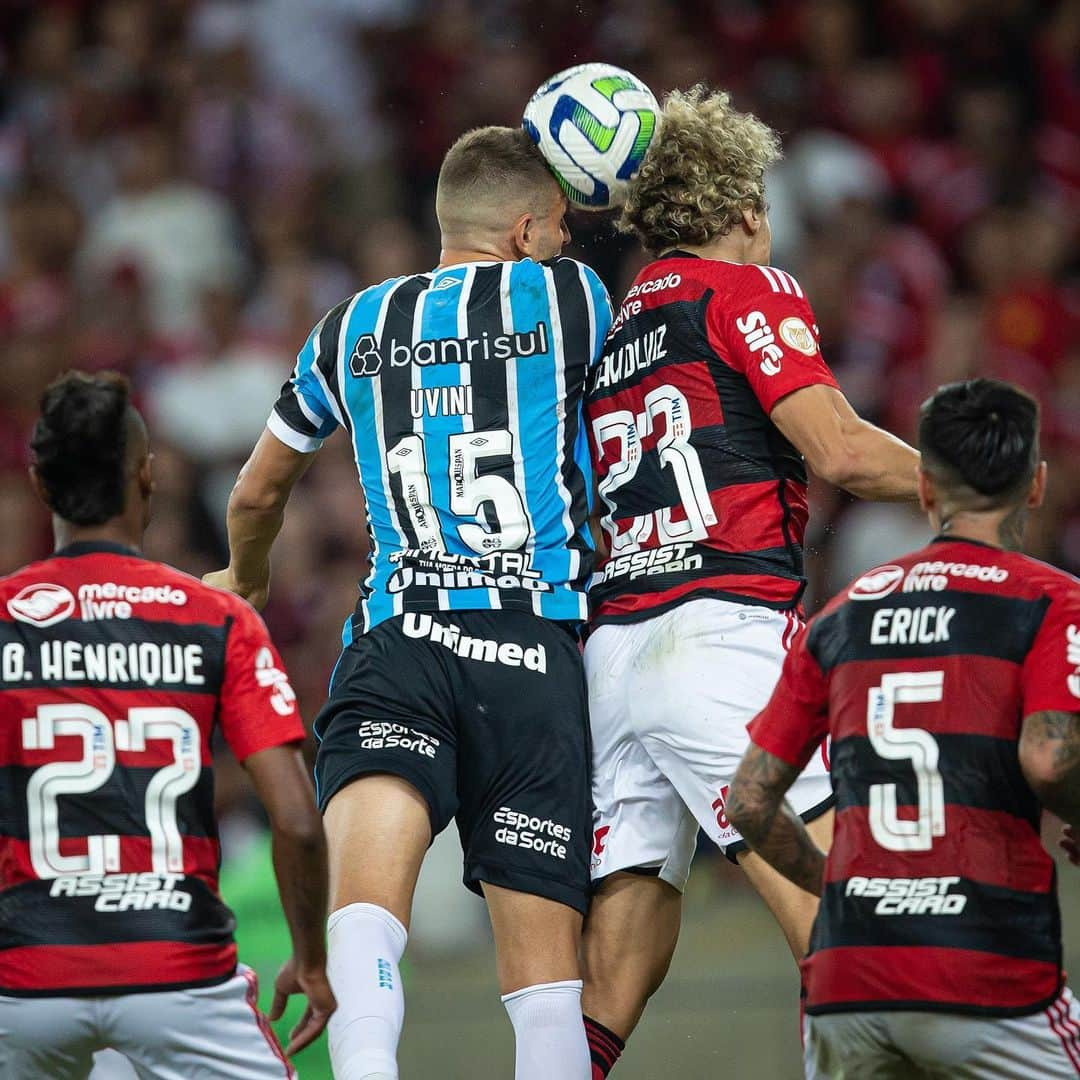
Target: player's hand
x=320, y=1003
x=256, y=593
x=1070, y=844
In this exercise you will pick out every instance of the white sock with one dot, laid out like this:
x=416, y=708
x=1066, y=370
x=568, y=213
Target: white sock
x=549, y=1033
x=364, y=947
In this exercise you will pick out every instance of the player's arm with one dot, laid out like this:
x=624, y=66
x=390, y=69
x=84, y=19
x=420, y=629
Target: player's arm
x=255, y=516
x=757, y=808
x=1050, y=761
x=280, y=777
x=843, y=449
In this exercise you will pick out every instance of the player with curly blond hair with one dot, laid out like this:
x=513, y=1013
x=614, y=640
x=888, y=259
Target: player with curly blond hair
x=709, y=401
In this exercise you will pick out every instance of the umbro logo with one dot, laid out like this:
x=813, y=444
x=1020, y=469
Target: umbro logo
x=366, y=360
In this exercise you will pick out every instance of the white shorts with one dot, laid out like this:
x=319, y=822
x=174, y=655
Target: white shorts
x=208, y=1032
x=946, y=1046
x=669, y=701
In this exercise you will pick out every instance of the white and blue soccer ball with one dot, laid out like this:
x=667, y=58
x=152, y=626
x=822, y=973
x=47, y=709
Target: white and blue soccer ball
x=593, y=123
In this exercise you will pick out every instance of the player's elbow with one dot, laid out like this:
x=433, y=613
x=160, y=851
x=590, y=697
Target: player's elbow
x=743, y=812
x=1047, y=775
x=254, y=496
x=838, y=464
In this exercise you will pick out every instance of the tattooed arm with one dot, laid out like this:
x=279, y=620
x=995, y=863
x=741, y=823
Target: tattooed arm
x=1050, y=760
x=756, y=807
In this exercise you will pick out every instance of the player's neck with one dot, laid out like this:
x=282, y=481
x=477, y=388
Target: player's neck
x=116, y=530
x=732, y=248
x=454, y=256
x=1000, y=530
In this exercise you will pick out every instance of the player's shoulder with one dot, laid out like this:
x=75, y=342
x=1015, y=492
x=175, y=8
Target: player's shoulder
x=1051, y=581
x=563, y=268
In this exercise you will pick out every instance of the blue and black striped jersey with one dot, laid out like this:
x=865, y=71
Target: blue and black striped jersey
x=461, y=391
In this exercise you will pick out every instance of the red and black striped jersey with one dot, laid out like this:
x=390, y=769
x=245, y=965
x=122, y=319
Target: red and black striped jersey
x=704, y=495
x=938, y=891
x=116, y=671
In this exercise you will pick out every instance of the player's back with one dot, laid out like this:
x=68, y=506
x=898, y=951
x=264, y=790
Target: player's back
x=938, y=890
x=116, y=670
x=461, y=391
x=705, y=496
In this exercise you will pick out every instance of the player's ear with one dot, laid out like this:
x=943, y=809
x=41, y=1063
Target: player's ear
x=752, y=219
x=927, y=492
x=1037, y=491
x=523, y=237
x=145, y=476
x=38, y=485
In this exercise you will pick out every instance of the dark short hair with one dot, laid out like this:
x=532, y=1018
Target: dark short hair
x=79, y=446
x=982, y=433
x=492, y=160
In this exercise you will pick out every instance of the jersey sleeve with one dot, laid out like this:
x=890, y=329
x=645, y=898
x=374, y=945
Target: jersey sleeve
x=1050, y=678
x=767, y=331
x=258, y=705
x=303, y=416
x=796, y=718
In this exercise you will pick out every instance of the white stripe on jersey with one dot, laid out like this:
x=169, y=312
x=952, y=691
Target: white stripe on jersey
x=785, y=276
x=559, y=355
x=310, y=416
x=315, y=370
x=513, y=417
x=465, y=377
x=380, y=441
x=767, y=271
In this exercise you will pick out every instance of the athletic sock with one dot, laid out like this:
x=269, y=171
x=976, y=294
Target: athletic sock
x=549, y=1037
x=364, y=947
x=605, y=1048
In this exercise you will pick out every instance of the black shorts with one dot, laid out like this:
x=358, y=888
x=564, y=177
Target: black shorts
x=485, y=714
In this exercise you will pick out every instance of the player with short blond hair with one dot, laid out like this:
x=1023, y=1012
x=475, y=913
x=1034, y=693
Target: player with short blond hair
x=710, y=393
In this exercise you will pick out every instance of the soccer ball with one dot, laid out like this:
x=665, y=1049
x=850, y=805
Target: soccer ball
x=593, y=124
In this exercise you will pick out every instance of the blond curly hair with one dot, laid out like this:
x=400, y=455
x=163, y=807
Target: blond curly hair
x=705, y=165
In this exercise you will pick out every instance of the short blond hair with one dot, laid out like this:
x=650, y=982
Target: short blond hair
x=489, y=177
x=706, y=164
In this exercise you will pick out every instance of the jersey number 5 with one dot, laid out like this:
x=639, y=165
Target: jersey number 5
x=906, y=744
x=87, y=773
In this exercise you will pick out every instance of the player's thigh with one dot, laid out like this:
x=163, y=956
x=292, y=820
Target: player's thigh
x=639, y=820
x=386, y=767
x=211, y=1031
x=696, y=693
x=53, y=1037
x=525, y=811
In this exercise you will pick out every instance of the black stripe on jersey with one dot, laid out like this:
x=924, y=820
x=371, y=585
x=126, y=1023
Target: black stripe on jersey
x=329, y=339
x=290, y=411
x=624, y=353
x=772, y=562
x=43, y=919
x=76, y=642
x=118, y=807
x=994, y=920
x=577, y=335
x=978, y=771
x=483, y=315
x=984, y=624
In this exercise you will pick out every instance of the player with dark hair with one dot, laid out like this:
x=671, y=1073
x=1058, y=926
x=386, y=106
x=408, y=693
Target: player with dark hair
x=116, y=671
x=950, y=683
x=460, y=691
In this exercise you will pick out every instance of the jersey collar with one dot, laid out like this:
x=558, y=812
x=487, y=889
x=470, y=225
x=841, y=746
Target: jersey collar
x=943, y=538
x=95, y=547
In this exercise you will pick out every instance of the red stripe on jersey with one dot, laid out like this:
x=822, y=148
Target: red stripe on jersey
x=865, y=976
x=985, y=846
x=774, y=590
x=991, y=696
x=69, y=968
x=201, y=857
x=1064, y=1027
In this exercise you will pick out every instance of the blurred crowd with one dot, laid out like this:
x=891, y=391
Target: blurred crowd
x=186, y=186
